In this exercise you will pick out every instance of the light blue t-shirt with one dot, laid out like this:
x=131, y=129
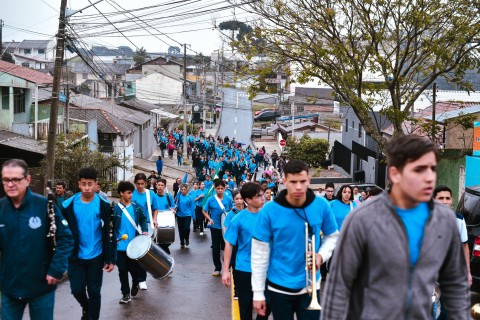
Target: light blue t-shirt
x=414, y=220
x=230, y=215
x=164, y=203
x=199, y=192
x=141, y=200
x=185, y=206
x=126, y=228
x=284, y=229
x=340, y=211
x=239, y=233
x=89, y=227
x=212, y=207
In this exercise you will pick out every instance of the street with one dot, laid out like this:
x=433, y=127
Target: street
x=189, y=293
x=236, y=119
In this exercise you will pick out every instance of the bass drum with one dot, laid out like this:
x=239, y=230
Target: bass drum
x=150, y=256
x=165, y=233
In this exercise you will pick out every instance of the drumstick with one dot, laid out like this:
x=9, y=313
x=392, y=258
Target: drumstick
x=123, y=237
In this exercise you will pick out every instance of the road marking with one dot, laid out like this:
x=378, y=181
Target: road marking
x=235, y=119
x=235, y=306
x=235, y=132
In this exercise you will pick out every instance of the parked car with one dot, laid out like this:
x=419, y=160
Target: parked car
x=469, y=207
x=264, y=109
x=361, y=186
x=268, y=115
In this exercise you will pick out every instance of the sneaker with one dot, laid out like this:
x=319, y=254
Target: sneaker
x=134, y=291
x=215, y=273
x=142, y=285
x=235, y=297
x=84, y=314
x=182, y=246
x=187, y=243
x=125, y=299
x=202, y=234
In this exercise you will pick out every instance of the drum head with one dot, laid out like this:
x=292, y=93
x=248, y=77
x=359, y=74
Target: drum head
x=138, y=247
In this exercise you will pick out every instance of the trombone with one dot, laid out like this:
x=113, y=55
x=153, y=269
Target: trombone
x=311, y=274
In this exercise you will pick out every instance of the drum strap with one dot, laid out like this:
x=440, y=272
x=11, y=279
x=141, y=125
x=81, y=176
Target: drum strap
x=149, y=208
x=125, y=212
x=220, y=204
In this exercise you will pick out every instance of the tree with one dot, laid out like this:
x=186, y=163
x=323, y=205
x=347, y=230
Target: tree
x=407, y=44
x=174, y=51
x=234, y=25
x=140, y=56
x=71, y=154
x=7, y=57
x=312, y=151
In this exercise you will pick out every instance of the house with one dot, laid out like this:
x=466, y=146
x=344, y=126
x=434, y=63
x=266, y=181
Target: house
x=151, y=109
x=308, y=100
x=159, y=88
x=19, y=87
x=35, y=54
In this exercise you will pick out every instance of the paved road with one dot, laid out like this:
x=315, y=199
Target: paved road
x=189, y=293
x=236, y=118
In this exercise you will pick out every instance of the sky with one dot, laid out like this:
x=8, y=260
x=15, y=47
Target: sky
x=172, y=22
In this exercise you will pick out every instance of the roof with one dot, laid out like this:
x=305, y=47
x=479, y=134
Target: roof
x=315, y=96
x=455, y=113
x=29, y=44
x=34, y=58
x=106, y=123
x=83, y=101
x=139, y=105
x=25, y=73
x=106, y=68
x=17, y=141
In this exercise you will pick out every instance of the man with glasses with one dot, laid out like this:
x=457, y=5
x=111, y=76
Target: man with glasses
x=329, y=191
x=29, y=267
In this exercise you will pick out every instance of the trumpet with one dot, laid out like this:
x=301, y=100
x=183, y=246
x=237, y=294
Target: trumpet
x=311, y=274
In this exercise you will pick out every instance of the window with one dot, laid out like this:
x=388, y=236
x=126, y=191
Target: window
x=10, y=50
x=5, y=96
x=359, y=130
x=346, y=125
x=27, y=51
x=18, y=100
x=26, y=64
x=41, y=51
x=353, y=125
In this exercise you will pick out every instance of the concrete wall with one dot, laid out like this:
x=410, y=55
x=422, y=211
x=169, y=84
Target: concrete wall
x=458, y=138
x=169, y=70
x=451, y=172
x=159, y=89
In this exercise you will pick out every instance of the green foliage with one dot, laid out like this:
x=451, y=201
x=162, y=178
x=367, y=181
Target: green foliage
x=235, y=25
x=174, y=50
x=7, y=57
x=140, y=56
x=72, y=154
x=312, y=151
x=406, y=45
x=190, y=127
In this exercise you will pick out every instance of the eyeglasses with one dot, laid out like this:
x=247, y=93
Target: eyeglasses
x=6, y=181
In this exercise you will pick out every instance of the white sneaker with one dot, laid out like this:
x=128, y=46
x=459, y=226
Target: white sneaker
x=142, y=285
x=216, y=273
x=201, y=233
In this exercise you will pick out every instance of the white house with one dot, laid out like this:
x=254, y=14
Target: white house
x=158, y=88
x=35, y=54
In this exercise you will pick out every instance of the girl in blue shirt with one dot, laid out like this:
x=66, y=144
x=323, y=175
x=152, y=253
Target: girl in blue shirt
x=343, y=204
x=184, y=212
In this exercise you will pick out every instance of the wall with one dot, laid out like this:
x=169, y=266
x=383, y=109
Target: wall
x=450, y=170
x=149, y=146
x=458, y=138
x=159, y=89
x=169, y=70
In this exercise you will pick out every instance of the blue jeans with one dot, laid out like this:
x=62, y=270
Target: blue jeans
x=284, y=306
x=86, y=276
x=40, y=308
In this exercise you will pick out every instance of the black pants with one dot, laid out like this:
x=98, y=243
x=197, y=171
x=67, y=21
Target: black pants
x=184, y=229
x=125, y=266
x=199, y=217
x=243, y=285
x=284, y=306
x=217, y=241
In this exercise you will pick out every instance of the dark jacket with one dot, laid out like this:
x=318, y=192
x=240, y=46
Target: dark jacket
x=139, y=218
x=109, y=246
x=373, y=278
x=26, y=256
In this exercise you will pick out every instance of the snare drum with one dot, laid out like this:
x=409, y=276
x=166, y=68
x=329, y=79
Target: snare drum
x=150, y=256
x=165, y=232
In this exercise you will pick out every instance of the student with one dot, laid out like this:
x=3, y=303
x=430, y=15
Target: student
x=34, y=282
x=212, y=211
x=394, y=248
x=343, y=204
x=278, y=245
x=130, y=221
x=443, y=194
x=184, y=212
x=165, y=201
x=239, y=234
x=330, y=191
x=146, y=199
x=199, y=197
x=60, y=194
x=95, y=251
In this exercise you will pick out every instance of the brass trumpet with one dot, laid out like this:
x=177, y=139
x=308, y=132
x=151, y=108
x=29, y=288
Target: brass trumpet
x=311, y=274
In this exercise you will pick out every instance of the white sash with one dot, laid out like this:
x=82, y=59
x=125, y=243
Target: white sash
x=220, y=204
x=149, y=208
x=125, y=212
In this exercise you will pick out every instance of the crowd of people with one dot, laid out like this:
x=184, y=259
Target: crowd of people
x=376, y=238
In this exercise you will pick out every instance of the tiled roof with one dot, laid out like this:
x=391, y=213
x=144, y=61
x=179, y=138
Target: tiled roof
x=106, y=68
x=15, y=140
x=25, y=73
x=29, y=44
x=33, y=58
x=106, y=123
x=139, y=105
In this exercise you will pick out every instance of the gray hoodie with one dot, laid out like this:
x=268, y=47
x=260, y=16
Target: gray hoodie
x=372, y=277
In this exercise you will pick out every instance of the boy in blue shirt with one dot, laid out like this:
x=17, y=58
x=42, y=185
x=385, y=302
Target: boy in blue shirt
x=212, y=211
x=239, y=233
x=278, y=245
x=165, y=201
x=125, y=227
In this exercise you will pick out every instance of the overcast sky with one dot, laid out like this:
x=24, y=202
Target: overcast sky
x=186, y=21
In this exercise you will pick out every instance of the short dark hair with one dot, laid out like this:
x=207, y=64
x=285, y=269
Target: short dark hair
x=219, y=182
x=17, y=163
x=374, y=191
x=140, y=176
x=339, y=193
x=61, y=183
x=407, y=148
x=441, y=189
x=295, y=166
x=159, y=157
x=250, y=190
x=162, y=180
x=330, y=185
x=234, y=193
x=87, y=173
x=125, y=186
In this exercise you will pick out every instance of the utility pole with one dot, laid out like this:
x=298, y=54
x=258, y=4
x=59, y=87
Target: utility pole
x=434, y=122
x=57, y=74
x=204, y=103
x=184, y=99
x=1, y=39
